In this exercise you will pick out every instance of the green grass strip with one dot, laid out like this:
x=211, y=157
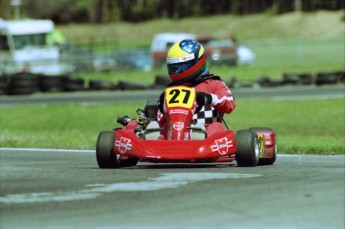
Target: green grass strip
x=302, y=126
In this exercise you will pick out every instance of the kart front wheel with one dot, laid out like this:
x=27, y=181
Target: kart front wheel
x=106, y=158
x=128, y=162
x=247, y=148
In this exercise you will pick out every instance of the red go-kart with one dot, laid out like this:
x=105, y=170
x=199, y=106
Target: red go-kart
x=181, y=141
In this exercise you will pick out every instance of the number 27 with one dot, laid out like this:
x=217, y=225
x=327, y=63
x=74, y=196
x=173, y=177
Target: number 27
x=175, y=94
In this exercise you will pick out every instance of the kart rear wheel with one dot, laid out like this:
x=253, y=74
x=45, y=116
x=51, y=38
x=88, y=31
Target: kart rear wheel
x=247, y=148
x=106, y=158
x=267, y=161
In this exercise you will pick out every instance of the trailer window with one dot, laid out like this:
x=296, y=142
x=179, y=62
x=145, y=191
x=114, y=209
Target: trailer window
x=3, y=43
x=29, y=41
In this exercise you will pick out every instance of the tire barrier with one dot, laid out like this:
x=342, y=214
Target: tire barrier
x=321, y=78
x=23, y=84
x=27, y=83
x=265, y=81
x=231, y=82
x=341, y=76
x=123, y=85
x=327, y=78
x=161, y=81
x=71, y=84
x=290, y=78
x=3, y=85
x=99, y=85
x=50, y=84
x=297, y=79
x=305, y=78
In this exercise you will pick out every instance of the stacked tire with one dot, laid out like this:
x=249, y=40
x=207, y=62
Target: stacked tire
x=23, y=84
x=51, y=83
x=323, y=78
x=161, y=81
x=297, y=79
x=98, y=85
x=124, y=85
x=3, y=84
x=71, y=84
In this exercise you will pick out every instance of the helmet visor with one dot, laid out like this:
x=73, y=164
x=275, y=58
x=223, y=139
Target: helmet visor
x=180, y=67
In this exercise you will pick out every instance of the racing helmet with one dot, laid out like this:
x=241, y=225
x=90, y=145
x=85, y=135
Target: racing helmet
x=186, y=60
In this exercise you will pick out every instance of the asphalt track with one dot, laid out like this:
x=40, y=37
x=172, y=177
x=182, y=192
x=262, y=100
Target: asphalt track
x=66, y=189
x=276, y=93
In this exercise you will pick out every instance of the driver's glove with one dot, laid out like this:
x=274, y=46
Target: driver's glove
x=161, y=103
x=203, y=98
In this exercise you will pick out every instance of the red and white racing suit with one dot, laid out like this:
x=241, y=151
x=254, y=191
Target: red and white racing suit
x=222, y=102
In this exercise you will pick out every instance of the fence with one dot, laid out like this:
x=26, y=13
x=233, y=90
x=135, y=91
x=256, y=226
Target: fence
x=103, y=55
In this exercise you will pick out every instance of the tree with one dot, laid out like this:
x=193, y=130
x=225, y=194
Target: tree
x=99, y=11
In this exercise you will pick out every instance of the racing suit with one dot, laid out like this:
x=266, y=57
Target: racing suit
x=220, y=101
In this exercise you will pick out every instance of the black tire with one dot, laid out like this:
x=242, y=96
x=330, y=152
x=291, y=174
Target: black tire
x=3, y=91
x=22, y=90
x=22, y=84
x=290, y=78
x=265, y=81
x=341, y=76
x=259, y=128
x=128, y=162
x=247, y=148
x=266, y=161
x=305, y=78
x=73, y=84
x=326, y=78
x=106, y=158
x=3, y=85
x=102, y=85
x=162, y=80
x=123, y=85
x=24, y=79
x=50, y=83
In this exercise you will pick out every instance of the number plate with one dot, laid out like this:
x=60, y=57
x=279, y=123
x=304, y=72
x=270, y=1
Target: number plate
x=180, y=96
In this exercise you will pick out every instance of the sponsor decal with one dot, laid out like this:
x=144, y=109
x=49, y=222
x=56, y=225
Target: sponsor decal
x=178, y=111
x=123, y=144
x=178, y=125
x=221, y=145
x=180, y=59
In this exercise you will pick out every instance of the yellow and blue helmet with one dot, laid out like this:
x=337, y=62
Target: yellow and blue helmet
x=186, y=59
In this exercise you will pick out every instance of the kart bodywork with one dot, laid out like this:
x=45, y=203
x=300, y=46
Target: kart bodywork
x=179, y=140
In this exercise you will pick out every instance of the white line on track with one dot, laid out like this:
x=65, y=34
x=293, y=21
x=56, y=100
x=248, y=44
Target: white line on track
x=91, y=191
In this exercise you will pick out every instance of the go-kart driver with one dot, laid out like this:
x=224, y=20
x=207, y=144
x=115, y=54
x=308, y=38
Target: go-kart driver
x=186, y=62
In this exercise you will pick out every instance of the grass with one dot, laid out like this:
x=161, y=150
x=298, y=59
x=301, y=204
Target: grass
x=302, y=126
x=258, y=26
x=313, y=126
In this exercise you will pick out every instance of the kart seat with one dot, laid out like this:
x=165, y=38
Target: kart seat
x=197, y=132
x=152, y=131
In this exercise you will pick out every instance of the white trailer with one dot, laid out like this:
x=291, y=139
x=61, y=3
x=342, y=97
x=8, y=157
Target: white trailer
x=26, y=46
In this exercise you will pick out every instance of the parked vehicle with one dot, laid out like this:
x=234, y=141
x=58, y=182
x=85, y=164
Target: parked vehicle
x=27, y=46
x=218, y=51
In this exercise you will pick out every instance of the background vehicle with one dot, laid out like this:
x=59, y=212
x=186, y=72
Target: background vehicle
x=27, y=46
x=218, y=51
